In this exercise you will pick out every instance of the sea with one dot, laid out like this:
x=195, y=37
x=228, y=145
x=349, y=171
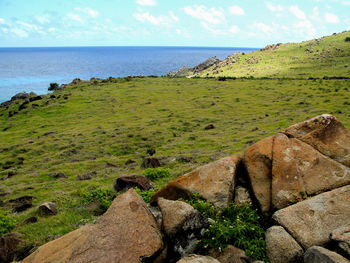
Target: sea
x=33, y=69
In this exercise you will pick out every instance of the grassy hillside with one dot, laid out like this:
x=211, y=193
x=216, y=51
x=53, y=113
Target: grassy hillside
x=95, y=128
x=327, y=56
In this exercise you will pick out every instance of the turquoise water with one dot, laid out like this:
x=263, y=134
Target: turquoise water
x=33, y=69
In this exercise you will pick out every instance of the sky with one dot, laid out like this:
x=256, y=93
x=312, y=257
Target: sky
x=224, y=23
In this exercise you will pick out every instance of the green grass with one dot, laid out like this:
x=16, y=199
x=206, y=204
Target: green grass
x=324, y=57
x=99, y=127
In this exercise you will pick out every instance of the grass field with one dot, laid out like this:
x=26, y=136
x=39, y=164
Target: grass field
x=95, y=128
x=324, y=57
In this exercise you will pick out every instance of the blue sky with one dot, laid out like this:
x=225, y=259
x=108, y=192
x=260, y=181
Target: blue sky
x=168, y=22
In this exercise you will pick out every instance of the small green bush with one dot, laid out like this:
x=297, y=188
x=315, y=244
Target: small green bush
x=146, y=195
x=156, y=173
x=103, y=196
x=6, y=224
x=53, y=86
x=347, y=39
x=240, y=227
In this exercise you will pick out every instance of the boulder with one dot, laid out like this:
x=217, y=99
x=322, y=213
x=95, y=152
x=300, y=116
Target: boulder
x=213, y=182
x=282, y=247
x=258, y=162
x=22, y=96
x=127, y=232
x=30, y=220
x=242, y=197
x=318, y=254
x=150, y=162
x=342, y=237
x=58, y=175
x=198, y=259
x=183, y=226
x=298, y=171
x=48, y=208
x=327, y=211
x=230, y=254
x=138, y=181
x=84, y=177
x=8, y=246
x=326, y=134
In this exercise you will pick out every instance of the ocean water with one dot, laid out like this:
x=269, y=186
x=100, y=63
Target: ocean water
x=33, y=69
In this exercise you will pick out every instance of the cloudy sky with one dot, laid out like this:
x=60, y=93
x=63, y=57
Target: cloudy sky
x=227, y=23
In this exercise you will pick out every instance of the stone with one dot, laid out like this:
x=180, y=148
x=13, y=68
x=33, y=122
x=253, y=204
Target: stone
x=21, y=96
x=341, y=235
x=230, y=254
x=298, y=171
x=84, y=177
x=150, y=162
x=22, y=203
x=242, y=197
x=198, y=259
x=183, y=226
x=281, y=247
x=213, y=182
x=30, y=220
x=327, y=211
x=209, y=127
x=326, y=134
x=48, y=208
x=8, y=246
x=318, y=254
x=58, y=175
x=126, y=233
x=127, y=182
x=258, y=162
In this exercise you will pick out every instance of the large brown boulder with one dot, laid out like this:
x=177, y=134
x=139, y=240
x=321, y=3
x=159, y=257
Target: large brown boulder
x=282, y=247
x=311, y=221
x=304, y=160
x=127, y=232
x=326, y=134
x=318, y=254
x=258, y=161
x=8, y=246
x=214, y=182
x=298, y=171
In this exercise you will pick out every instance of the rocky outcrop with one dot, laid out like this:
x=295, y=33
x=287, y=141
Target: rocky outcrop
x=126, y=182
x=185, y=71
x=318, y=254
x=127, y=232
x=281, y=247
x=328, y=211
x=8, y=245
x=183, y=226
x=213, y=182
x=306, y=159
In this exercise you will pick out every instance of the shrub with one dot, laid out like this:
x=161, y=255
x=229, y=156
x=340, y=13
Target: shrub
x=6, y=224
x=53, y=86
x=347, y=39
x=146, y=195
x=240, y=227
x=103, y=196
x=151, y=151
x=156, y=173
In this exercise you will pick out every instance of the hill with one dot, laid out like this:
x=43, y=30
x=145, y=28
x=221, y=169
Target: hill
x=323, y=57
x=104, y=129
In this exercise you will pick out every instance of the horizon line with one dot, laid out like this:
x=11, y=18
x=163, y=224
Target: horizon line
x=126, y=46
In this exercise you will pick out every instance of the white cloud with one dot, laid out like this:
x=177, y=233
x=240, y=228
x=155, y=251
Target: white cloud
x=43, y=19
x=316, y=14
x=88, y=11
x=274, y=8
x=305, y=29
x=75, y=17
x=263, y=27
x=236, y=10
x=331, y=18
x=295, y=10
x=345, y=3
x=160, y=20
x=2, y=21
x=212, y=16
x=234, y=29
x=20, y=32
x=146, y=2
x=52, y=29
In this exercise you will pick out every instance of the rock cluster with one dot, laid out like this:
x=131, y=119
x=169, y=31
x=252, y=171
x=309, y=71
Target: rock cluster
x=299, y=178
